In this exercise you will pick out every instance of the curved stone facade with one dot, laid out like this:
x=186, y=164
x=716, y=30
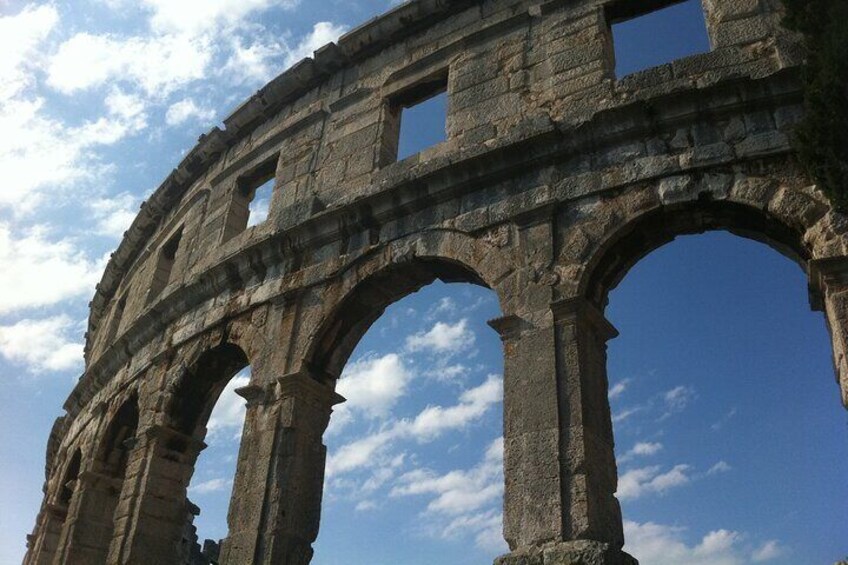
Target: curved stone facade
x=555, y=178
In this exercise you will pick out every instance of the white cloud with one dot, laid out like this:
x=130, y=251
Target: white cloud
x=676, y=400
x=40, y=272
x=255, y=62
x=322, y=34
x=429, y=424
x=199, y=16
x=372, y=386
x=720, y=467
x=375, y=384
x=445, y=305
x=49, y=344
x=443, y=338
x=114, y=215
x=362, y=452
x=618, y=389
x=20, y=37
x=39, y=155
x=473, y=403
x=228, y=414
x=187, y=109
x=648, y=480
x=641, y=449
x=158, y=65
x=721, y=422
x=365, y=505
x=663, y=545
x=626, y=413
x=458, y=492
x=464, y=501
x=210, y=486
x=768, y=551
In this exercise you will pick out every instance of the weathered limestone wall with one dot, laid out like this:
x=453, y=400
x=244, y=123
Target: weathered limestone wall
x=555, y=178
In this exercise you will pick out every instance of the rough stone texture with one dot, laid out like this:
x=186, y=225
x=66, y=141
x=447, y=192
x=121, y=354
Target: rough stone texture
x=556, y=177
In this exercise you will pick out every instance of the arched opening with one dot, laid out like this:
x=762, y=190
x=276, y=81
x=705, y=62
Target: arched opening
x=416, y=450
x=726, y=422
x=96, y=492
x=208, y=409
x=66, y=488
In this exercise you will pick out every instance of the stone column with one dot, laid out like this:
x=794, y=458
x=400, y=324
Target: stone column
x=829, y=292
x=90, y=523
x=42, y=544
x=151, y=512
x=276, y=505
x=249, y=485
x=560, y=471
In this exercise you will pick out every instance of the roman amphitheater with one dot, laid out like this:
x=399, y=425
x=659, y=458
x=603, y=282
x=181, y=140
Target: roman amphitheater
x=555, y=178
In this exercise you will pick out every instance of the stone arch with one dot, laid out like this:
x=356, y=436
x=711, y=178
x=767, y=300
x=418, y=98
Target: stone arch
x=194, y=394
x=88, y=532
x=785, y=215
x=71, y=474
x=363, y=289
x=622, y=247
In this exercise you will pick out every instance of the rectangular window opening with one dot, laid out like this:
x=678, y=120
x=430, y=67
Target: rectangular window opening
x=251, y=199
x=416, y=119
x=652, y=33
x=164, y=265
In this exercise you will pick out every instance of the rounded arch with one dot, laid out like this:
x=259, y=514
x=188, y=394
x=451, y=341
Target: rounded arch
x=200, y=385
x=628, y=242
x=368, y=286
x=113, y=451
x=69, y=478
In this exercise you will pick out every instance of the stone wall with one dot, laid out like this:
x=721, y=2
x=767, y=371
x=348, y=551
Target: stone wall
x=555, y=178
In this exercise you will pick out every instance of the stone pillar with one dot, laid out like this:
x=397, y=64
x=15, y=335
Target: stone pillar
x=560, y=472
x=276, y=505
x=42, y=544
x=90, y=523
x=151, y=512
x=829, y=289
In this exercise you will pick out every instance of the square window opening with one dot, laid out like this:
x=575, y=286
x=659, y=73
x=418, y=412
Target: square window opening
x=416, y=119
x=164, y=265
x=260, y=203
x=649, y=34
x=251, y=199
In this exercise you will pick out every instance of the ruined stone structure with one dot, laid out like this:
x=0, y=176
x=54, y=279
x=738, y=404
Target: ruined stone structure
x=555, y=178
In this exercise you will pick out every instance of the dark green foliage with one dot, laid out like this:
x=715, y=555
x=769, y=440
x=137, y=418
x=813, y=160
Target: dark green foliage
x=822, y=138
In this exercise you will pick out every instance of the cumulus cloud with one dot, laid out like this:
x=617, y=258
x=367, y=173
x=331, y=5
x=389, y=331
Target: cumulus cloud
x=649, y=480
x=720, y=467
x=463, y=501
x=49, y=344
x=40, y=272
x=429, y=424
x=185, y=110
x=195, y=17
x=768, y=551
x=158, y=65
x=227, y=418
x=113, y=216
x=443, y=338
x=372, y=386
x=20, y=38
x=664, y=545
x=473, y=403
x=322, y=33
x=211, y=486
x=641, y=449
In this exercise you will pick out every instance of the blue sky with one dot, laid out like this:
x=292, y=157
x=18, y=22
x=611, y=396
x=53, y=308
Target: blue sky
x=731, y=439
